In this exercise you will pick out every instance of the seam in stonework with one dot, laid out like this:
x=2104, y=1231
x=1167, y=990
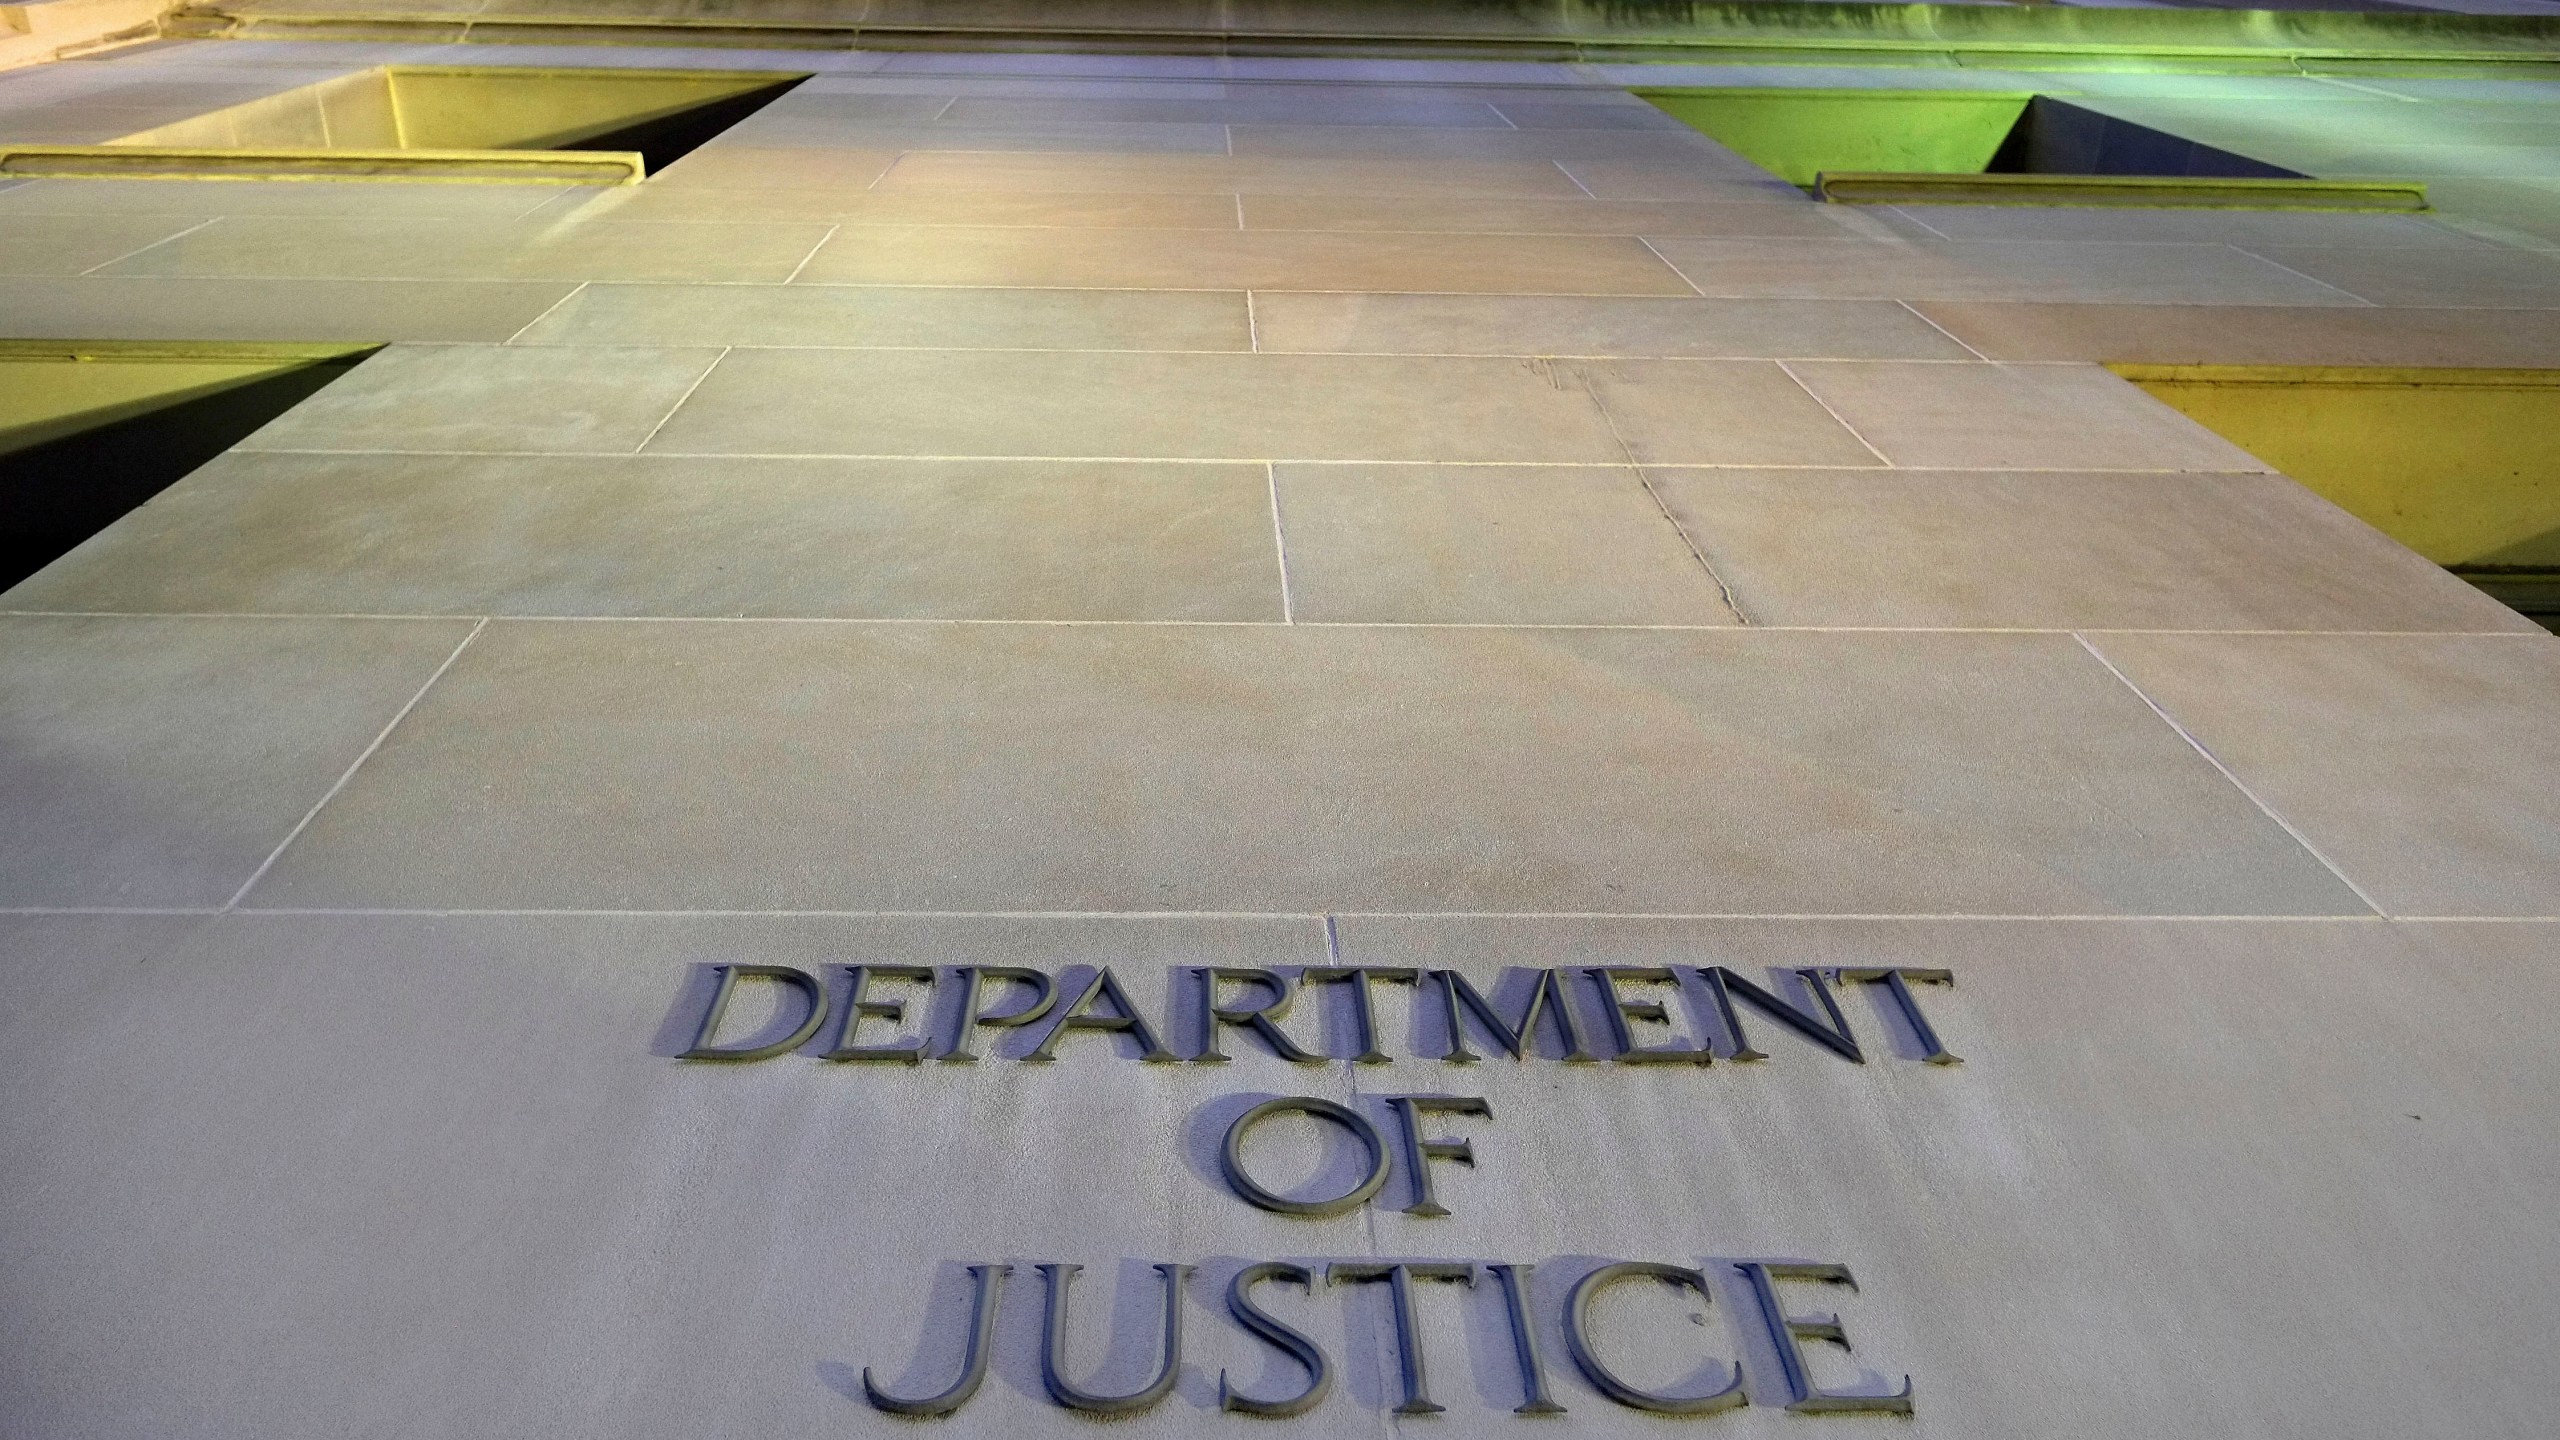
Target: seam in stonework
x=306, y=912
x=2237, y=783
x=537, y=206
x=1674, y=269
x=1662, y=507
x=1280, y=545
x=1837, y=418
x=551, y=309
x=1924, y=319
x=350, y=773
x=1506, y=464
x=2289, y=270
x=687, y=395
x=1088, y=623
x=163, y=240
x=812, y=255
x=2360, y=89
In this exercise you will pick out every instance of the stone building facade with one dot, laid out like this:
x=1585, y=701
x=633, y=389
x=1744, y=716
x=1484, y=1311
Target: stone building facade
x=1377, y=515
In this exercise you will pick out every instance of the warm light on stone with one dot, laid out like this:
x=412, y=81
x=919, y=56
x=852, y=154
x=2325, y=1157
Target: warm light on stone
x=1289, y=718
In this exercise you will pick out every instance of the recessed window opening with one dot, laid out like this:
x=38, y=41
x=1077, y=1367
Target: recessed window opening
x=422, y=122
x=1974, y=147
x=2458, y=465
x=91, y=429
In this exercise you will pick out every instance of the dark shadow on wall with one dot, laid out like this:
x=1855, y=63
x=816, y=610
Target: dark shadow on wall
x=2056, y=137
x=59, y=492
x=664, y=140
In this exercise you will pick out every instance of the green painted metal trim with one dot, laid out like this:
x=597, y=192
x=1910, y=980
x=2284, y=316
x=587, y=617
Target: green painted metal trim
x=149, y=162
x=2157, y=191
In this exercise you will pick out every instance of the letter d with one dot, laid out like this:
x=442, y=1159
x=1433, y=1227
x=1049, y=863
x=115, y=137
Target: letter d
x=775, y=1040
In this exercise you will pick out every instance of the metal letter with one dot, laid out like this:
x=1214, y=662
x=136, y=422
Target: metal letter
x=1898, y=980
x=1619, y=1010
x=972, y=977
x=1577, y=1334
x=989, y=1281
x=1231, y=1158
x=1364, y=1012
x=1785, y=1330
x=1125, y=1020
x=1400, y=1277
x=1524, y=1340
x=857, y=1009
x=1410, y=1109
x=812, y=994
x=1296, y=1345
x=1724, y=984
x=1262, y=1020
x=1053, y=1346
x=1550, y=988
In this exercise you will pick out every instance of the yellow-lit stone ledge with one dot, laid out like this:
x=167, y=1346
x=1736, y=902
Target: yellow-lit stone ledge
x=145, y=162
x=2457, y=464
x=53, y=388
x=42, y=30
x=429, y=122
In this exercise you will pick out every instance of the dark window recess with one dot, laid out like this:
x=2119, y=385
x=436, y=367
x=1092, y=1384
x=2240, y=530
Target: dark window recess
x=63, y=488
x=668, y=138
x=2055, y=137
x=491, y=123
x=2457, y=464
x=2532, y=591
